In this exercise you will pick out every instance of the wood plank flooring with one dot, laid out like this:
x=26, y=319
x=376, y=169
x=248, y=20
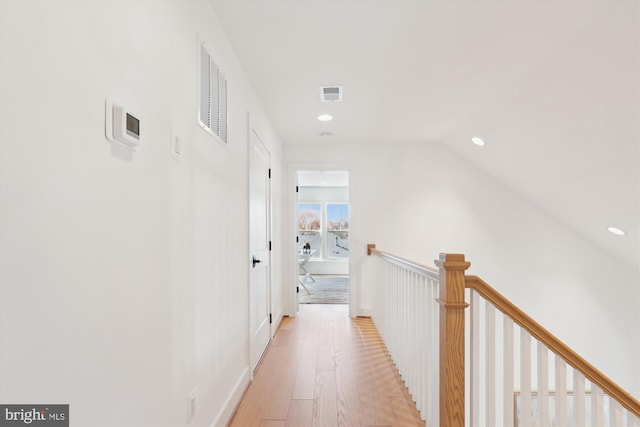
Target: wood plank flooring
x=324, y=369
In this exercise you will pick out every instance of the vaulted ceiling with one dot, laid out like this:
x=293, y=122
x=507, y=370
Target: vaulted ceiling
x=552, y=87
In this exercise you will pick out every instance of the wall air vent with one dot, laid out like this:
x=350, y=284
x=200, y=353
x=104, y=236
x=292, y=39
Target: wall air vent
x=213, y=114
x=331, y=93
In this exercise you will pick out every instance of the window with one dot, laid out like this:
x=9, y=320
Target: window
x=325, y=226
x=337, y=230
x=310, y=226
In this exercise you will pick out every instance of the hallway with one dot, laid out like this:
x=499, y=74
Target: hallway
x=326, y=369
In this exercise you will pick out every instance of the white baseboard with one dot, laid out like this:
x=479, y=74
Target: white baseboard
x=277, y=322
x=233, y=400
x=364, y=312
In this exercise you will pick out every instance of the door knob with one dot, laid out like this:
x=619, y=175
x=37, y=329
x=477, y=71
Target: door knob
x=256, y=261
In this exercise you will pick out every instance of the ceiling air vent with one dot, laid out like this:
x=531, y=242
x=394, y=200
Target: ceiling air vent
x=331, y=93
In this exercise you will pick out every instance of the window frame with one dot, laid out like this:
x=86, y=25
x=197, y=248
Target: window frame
x=324, y=253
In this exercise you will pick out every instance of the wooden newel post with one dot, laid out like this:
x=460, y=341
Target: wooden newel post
x=452, y=305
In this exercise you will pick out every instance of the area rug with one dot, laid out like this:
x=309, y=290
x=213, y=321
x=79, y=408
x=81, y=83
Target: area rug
x=326, y=290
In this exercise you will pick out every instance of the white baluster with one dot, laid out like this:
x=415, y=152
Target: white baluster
x=578, y=399
x=402, y=323
x=427, y=337
x=380, y=309
x=434, y=406
x=411, y=368
x=406, y=325
x=421, y=353
x=428, y=380
x=382, y=298
x=397, y=350
x=383, y=289
x=561, y=392
x=387, y=301
x=597, y=406
x=632, y=420
x=391, y=304
x=384, y=303
x=435, y=346
x=525, y=378
x=408, y=328
x=393, y=327
x=615, y=413
x=543, y=385
x=490, y=367
x=417, y=355
x=475, y=360
x=397, y=322
x=508, y=413
x=376, y=290
x=423, y=346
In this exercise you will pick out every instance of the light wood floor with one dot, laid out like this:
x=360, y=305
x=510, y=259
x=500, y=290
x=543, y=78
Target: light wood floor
x=325, y=369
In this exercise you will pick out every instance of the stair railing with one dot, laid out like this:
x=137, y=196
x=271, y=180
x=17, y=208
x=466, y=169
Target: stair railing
x=420, y=312
x=406, y=314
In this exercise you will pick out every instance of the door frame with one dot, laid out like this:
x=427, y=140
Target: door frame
x=251, y=130
x=291, y=271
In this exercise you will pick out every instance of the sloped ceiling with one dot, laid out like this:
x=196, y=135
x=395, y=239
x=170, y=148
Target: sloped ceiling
x=553, y=87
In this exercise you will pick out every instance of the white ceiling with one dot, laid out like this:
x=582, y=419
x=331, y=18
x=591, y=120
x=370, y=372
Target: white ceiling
x=553, y=88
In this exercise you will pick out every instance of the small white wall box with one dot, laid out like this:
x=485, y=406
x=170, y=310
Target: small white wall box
x=176, y=145
x=122, y=125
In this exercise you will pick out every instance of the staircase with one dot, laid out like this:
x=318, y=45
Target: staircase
x=513, y=373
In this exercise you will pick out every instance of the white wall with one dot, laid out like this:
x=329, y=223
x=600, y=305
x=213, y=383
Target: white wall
x=124, y=281
x=417, y=201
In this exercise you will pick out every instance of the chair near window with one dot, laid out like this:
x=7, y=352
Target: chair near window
x=305, y=252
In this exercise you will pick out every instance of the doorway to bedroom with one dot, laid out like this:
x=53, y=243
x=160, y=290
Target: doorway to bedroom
x=322, y=227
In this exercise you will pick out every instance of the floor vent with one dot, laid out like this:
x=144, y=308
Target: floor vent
x=331, y=93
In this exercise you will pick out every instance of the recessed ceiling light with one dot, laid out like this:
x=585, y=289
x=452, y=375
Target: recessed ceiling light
x=325, y=118
x=477, y=141
x=617, y=231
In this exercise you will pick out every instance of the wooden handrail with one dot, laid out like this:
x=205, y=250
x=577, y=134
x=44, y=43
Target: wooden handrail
x=417, y=267
x=554, y=344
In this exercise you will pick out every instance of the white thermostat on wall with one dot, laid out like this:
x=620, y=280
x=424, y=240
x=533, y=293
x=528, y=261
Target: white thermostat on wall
x=122, y=126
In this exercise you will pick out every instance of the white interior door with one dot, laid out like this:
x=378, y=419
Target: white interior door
x=259, y=262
